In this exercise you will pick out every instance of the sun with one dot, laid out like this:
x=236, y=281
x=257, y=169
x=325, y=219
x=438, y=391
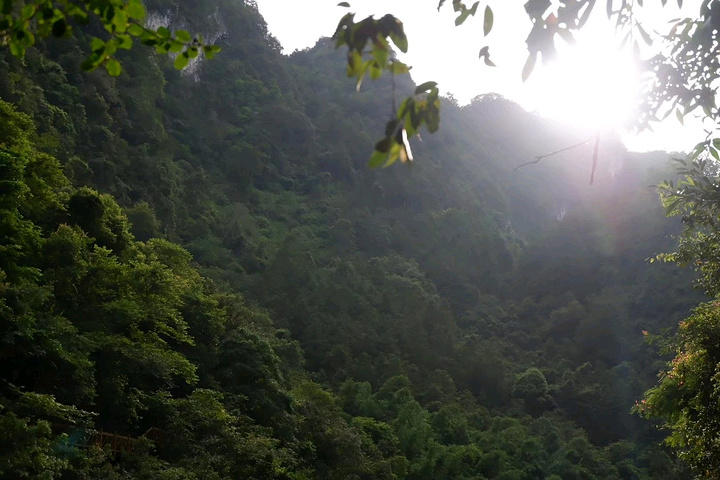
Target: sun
x=590, y=85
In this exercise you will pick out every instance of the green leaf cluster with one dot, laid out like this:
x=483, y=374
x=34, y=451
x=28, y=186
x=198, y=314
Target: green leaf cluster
x=122, y=20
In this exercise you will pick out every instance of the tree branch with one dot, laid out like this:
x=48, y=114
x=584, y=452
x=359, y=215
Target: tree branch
x=540, y=157
x=595, y=158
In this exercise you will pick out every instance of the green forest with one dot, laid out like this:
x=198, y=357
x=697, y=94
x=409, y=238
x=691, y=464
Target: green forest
x=201, y=278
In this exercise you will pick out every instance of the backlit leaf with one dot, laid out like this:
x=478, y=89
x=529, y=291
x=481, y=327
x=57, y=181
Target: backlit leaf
x=113, y=67
x=182, y=60
x=488, y=20
x=646, y=38
x=377, y=159
x=183, y=36
x=529, y=66
x=425, y=87
x=136, y=10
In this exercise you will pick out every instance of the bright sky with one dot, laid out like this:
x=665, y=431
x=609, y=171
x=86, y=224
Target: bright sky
x=591, y=84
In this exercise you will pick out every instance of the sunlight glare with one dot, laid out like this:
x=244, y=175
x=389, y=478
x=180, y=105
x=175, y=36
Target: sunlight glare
x=591, y=85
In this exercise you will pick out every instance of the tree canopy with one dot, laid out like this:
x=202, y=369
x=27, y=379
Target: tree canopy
x=200, y=278
x=686, y=397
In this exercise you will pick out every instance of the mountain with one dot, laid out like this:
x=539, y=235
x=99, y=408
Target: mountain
x=201, y=277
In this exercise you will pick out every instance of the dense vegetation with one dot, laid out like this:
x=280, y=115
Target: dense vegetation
x=201, y=265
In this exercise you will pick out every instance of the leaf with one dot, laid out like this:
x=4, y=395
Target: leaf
x=699, y=148
x=380, y=56
x=183, y=36
x=135, y=30
x=378, y=158
x=425, y=87
x=210, y=51
x=636, y=51
x=90, y=63
x=608, y=8
x=97, y=45
x=566, y=35
x=529, y=66
x=625, y=40
x=136, y=11
x=714, y=153
x=343, y=4
x=176, y=47
x=354, y=64
x=27, y=12
x=18, y=51
x=393, y=155
x=397, y=67
x=163, y=48
x=488, y=20
x=124, y=41
x=586, y=14
x=375, y=71
x=109, y=15
x=113, y=67
x=400, y=40
x=182, y=60
x=163, y=33
x=485, y=55
x=383, y=146
x=679, y=116
x=81, y=17
x=646, y=38
x=537, y=8
x=461, y=18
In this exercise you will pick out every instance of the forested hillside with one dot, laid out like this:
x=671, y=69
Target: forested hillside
x=200, y=277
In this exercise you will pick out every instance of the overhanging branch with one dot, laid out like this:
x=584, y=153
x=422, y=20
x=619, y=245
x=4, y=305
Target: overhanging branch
x=541, y=157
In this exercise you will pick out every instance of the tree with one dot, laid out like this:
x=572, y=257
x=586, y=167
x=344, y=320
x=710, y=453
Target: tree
x=532, y=387
x=22, y=21
x=686, y=396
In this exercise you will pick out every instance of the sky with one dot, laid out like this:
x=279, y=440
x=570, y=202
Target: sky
x=592, y=85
